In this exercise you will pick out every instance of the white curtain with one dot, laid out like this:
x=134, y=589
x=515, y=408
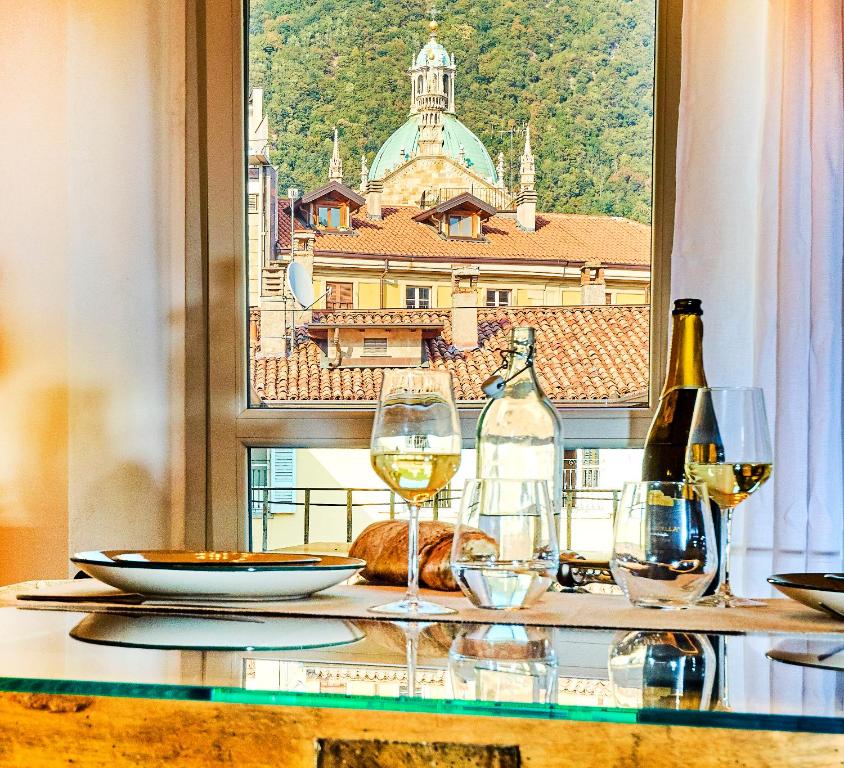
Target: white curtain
x=759, y=237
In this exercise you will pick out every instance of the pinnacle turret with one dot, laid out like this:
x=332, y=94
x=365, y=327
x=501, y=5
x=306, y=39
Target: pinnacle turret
x=527, y=167
x=335, y=167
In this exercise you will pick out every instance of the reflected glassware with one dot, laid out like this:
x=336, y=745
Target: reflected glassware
x=730, y=451
x=415, y=449
x=664, y=552
x=662, y=670
x=504, y=662
x=505, y=552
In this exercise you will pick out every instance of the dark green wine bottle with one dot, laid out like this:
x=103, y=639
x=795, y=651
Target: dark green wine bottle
x=665, y=446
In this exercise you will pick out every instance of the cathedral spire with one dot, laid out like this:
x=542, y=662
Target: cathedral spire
x=364, y=172
x=335, y=167
x=527, y=168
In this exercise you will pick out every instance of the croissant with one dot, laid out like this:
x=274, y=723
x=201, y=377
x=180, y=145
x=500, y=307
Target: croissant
x=384, y=547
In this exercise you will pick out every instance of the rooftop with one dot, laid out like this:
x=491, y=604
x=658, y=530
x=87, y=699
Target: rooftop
x=559, y=237
x=582, y=354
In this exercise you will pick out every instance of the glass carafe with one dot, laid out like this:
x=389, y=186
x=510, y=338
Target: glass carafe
x=520, y=435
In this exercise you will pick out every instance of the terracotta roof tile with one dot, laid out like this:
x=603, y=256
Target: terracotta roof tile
x=583, y=353
x=558, y=236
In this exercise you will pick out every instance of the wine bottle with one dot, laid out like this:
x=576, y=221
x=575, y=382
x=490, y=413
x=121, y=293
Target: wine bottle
x=520, y=435
x=665, y=446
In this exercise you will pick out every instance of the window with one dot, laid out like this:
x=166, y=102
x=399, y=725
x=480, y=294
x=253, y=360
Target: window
x=460, y=226
x=328, y=217
x=375, y=346
x=339, y=296
x=253, y=203
x=417, y=297
x=284, y=420
x=498, y=297
x=591, y=468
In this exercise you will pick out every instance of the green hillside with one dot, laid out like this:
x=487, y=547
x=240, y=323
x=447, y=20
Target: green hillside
x=580, y=71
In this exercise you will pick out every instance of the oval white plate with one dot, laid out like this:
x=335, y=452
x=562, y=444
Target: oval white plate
x=821, y=591
x=253, y=633
x=283, y=582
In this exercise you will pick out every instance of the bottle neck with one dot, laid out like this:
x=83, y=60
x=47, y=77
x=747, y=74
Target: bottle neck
x=520, y=355
x=685, y=363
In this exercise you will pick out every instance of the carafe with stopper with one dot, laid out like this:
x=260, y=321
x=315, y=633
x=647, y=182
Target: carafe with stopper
x=519, y=434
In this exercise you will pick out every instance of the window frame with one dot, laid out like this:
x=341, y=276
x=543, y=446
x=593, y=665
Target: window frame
x=220, y=424
x=497, y=302
x=417, y=288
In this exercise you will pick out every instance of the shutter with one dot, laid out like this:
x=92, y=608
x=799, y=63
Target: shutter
x=341, y=296
x=282, y=475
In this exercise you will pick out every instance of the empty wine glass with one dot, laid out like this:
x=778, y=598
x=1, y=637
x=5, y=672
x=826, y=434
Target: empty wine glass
x=415, y=449
x=730, y=451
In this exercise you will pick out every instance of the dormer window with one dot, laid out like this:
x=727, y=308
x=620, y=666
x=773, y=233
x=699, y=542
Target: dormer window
x=460, y=218
x=330, y=208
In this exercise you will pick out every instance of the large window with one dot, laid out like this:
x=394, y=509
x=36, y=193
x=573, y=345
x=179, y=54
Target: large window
x=519, y=144
x=560, y=120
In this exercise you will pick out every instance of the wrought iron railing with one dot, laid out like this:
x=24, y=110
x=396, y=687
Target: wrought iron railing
x=577, y=504
x=500, y=199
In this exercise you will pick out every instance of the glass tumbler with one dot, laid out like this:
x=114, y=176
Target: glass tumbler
x=505, y=552
x=664, y=553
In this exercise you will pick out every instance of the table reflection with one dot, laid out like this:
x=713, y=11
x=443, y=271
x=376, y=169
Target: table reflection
x=504, y=662
x=663, y=670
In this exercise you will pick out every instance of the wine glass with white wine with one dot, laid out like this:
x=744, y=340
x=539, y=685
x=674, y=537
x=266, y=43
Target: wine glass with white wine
x=729, y=450
x=415, y=450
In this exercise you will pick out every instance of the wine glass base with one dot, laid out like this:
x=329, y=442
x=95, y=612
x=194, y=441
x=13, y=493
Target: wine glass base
x=731, y=601
x=412, y=608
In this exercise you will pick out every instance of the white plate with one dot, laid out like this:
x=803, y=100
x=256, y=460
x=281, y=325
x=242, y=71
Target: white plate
x=252, y=633
x=821, y=591
x=258, y=582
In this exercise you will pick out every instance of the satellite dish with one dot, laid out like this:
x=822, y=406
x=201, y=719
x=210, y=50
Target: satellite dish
x=300, y=284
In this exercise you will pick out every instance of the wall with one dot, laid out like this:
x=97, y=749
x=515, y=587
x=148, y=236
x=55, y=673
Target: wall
x=91, y=279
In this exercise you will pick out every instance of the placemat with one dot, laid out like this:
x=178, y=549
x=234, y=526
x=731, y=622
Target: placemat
x=352, y=601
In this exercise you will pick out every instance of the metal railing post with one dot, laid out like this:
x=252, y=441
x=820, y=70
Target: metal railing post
x=436, y=506
x=265, y=523
x=307, y=515
x=349, y=515
x=569, y=507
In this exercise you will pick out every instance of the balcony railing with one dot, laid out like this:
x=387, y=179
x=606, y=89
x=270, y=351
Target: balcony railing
x=500, y=199
x=577, y=505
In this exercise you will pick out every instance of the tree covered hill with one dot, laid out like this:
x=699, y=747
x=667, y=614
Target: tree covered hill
x=580, y=71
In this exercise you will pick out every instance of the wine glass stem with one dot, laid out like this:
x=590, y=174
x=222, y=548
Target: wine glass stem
x=412, y=595
x=724, y=590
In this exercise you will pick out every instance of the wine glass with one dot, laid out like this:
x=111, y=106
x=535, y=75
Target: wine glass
x=415, y=450
x=730, y=451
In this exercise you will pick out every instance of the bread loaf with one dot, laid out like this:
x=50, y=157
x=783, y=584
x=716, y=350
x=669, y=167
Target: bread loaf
x=384, y=547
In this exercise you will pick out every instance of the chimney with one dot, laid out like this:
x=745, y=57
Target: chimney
x=373, y=199
x=593, y=287
x=464, y=308
x=526, y=210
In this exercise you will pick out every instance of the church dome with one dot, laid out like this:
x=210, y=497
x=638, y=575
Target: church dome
x=455, y=135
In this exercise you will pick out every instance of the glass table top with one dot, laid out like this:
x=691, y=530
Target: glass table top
x=739, y=681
